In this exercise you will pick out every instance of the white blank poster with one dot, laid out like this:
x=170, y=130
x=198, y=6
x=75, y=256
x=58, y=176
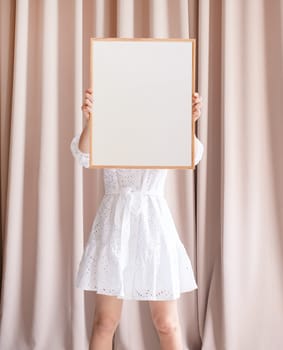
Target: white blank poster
x=142, y=115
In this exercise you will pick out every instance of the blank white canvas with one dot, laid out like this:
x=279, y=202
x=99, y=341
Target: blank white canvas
x=142, y=103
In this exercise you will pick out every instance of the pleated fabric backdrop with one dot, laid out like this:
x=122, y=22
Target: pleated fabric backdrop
x=228, y=212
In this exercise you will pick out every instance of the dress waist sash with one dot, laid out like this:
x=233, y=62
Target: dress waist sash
x=129, y=201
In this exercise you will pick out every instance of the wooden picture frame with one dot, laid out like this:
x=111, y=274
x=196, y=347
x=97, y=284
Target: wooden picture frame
x=142, y=115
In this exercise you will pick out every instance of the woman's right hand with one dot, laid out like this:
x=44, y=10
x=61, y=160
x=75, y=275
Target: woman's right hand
x=88, y=104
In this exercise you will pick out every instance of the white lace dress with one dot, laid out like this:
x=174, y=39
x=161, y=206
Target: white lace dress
x=133, y=249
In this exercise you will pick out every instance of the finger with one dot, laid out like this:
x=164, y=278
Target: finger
x=88, y=105
x=197, y=105
x=196, y=108
x=89, y=96
x=86, y=109
x=88, y=101
x=197, y=97
x=197, y=100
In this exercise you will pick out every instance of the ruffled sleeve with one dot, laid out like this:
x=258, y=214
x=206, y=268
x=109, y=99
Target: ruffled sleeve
x=198, y=150
x=81, y=157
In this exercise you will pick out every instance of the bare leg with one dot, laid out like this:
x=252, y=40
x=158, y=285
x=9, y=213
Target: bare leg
x=166, y=321
x=106, y=319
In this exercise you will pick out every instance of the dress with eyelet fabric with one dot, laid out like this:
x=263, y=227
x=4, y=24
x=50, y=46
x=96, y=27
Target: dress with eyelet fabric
x=133, y=249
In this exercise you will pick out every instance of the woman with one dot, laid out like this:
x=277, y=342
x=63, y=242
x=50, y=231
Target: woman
x=133, y=250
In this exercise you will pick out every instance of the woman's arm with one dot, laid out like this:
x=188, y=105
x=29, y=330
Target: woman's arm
x=80, y=143
x=87, y=109
x=84, y=139
x=197, y=104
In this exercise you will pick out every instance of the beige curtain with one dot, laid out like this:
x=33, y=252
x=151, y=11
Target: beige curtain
x=228, y=212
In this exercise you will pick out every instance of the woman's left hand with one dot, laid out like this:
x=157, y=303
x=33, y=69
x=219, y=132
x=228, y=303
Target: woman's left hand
x=197, y=104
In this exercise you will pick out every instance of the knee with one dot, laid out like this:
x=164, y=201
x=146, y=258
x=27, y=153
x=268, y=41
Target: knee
x=165, y=325
x=105, y=324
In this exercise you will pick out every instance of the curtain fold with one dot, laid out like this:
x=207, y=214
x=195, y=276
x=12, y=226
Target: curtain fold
x=228, y=211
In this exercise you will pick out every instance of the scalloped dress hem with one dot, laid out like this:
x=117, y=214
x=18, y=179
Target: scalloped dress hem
x=139, y=298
